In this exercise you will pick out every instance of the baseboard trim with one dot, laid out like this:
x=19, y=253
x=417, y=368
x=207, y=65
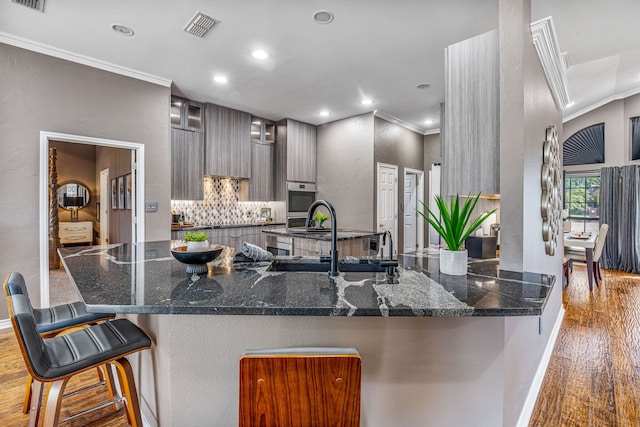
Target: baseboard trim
x=5, y=323
x=536, y=384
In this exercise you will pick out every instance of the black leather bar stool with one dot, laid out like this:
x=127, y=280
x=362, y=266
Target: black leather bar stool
x=55, y=320
x=56, y=360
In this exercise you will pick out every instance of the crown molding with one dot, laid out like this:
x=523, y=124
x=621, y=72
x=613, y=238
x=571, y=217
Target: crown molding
x=416, y=129
x=33, y=46
x=546, y=43
x=605, y=101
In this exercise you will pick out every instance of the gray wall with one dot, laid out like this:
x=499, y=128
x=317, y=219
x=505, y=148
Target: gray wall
x=38, y=93
x=345, y=164
x=526, y=109
x=396, y=145
x=432, y=154
x=617, y=131
x=118, y=161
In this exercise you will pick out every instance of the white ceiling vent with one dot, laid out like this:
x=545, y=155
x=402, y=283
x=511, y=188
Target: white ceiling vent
x=200, y=24
x=33, y=4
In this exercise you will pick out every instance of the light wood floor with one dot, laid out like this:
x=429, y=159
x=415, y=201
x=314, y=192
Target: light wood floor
x=593, y=379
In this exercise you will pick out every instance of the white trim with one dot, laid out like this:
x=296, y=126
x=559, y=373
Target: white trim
x=138, y=221
x=391, y=119
x=5, y=323
x=34, y=46
x=536, y=384
x=545, y=41
x=614, y=97
x=432, y=132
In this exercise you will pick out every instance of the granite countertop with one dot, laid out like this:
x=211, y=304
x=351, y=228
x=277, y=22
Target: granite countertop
x=301, y=233
x=217, y=226
x=145, y=278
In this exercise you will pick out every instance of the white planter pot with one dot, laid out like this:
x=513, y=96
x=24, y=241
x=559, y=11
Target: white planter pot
x=453, y=262
x=197, y=246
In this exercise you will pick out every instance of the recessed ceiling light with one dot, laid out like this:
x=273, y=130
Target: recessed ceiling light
x=260, y=54
x=122, y=30
x=323, y=17
x=423, y=86
x=220, y=79
x=366, y=101
x=428, y=122
x=324, y=113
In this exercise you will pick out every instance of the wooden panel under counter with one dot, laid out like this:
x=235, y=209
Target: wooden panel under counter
x=350, y=243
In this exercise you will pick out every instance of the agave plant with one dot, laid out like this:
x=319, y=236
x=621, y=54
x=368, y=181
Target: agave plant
x=454, y=224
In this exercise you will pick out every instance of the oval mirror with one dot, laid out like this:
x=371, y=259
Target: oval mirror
x=73, y=195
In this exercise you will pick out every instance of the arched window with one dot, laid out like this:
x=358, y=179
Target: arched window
x=584, y=147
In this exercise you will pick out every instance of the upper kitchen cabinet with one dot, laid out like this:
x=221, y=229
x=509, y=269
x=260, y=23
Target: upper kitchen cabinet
x=296, y=151
x=187, y=115
x=260, y=186
x=187, y=165
x=263, y=131
x=228, y=142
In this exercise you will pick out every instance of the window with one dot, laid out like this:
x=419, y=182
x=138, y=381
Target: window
x=582, y=199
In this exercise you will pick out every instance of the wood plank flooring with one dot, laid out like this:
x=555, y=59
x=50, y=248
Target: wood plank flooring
x=593, y=379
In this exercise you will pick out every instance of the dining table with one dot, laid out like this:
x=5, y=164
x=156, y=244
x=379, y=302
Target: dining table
x=588, y=242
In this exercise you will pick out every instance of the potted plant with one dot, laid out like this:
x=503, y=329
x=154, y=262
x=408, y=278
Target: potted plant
x=196, y=240
x=319, y=218
x=454, y=228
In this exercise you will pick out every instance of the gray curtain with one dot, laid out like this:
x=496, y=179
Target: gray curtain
x=620, y=208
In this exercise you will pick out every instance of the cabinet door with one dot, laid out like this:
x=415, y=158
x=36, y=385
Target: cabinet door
x=228, y=147
x=193, y=113
x=187, y=165
x=301, y=151
x=261, y=182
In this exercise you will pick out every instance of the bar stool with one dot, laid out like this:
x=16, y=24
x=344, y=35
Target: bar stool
x=55, y=320
x=56, y=360
x=300, y=386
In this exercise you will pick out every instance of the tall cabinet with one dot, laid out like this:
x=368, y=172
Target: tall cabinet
x=228, y=142
x=187, y=149
x=295, y=154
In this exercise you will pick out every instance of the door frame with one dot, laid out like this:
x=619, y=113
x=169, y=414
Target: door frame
x=137, y=214
x=419, y=194
x=394, y=232
x=105, y=193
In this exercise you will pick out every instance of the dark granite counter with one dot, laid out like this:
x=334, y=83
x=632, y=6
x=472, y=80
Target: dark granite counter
x=145, y=278
x=301, y=233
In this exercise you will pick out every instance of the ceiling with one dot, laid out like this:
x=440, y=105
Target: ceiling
x=377, y=49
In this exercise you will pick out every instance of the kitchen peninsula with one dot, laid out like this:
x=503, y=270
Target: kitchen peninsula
x=434, y=342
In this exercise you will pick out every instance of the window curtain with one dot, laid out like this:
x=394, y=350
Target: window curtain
x=620, y=208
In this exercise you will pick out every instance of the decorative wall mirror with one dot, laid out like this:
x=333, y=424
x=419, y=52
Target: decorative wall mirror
x=73, y=195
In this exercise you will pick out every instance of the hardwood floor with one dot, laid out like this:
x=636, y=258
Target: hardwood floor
x=593, y=379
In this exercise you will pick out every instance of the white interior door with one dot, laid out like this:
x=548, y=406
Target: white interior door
x=387, y=209
x=410, y=205
x=434, y=189
x=104, y=206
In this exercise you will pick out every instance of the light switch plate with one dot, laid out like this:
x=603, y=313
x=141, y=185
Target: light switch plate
x=151, y=207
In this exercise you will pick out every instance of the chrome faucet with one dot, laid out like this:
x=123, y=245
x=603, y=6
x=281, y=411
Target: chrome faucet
x=334, y=232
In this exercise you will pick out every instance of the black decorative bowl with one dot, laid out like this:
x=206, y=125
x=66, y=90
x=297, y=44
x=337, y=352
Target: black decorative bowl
x=196, y=260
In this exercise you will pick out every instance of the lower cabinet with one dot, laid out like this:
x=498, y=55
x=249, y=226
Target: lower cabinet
x=232, y=237
x=350, y=247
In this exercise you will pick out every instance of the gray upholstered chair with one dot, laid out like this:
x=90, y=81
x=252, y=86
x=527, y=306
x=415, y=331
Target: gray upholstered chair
x=54, y=320
x=55, y=360
x=571, y=256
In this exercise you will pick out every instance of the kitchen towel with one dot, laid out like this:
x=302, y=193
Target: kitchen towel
x=254, y=253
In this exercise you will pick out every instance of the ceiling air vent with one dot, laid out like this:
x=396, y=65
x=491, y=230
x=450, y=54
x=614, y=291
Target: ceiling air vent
x=200, y=24
x=33, y=4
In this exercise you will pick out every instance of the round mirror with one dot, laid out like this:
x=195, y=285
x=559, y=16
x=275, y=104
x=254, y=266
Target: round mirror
x=73, y=195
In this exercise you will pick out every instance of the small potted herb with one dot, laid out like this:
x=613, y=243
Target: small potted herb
x=196, y=240
x=319, y=218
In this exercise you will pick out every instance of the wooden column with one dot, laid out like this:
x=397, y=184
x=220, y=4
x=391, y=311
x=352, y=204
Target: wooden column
x=54, y=237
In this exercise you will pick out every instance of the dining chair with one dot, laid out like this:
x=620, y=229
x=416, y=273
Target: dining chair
x=302, y=386
x=56, y=320
x=56, y=360
x=575, y=256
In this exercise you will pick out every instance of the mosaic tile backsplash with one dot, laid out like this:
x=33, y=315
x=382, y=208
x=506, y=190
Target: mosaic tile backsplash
x=221, y=206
